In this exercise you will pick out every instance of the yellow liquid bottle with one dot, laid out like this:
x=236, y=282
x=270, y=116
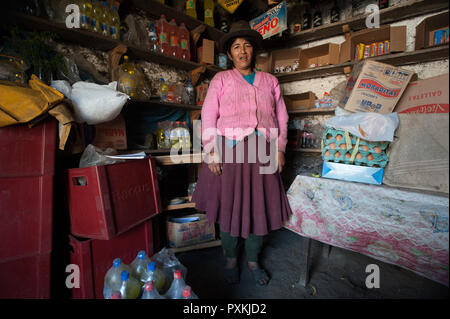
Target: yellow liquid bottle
x=127, y=79
x=209, y=12
x=85, y=14
x=130, y=288
x=96, y=16
x=115, y=23
x=105, y=20
x=163, y=90
x=190, y=9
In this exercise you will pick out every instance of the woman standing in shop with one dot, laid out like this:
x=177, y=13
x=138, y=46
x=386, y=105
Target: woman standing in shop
x=244, y=134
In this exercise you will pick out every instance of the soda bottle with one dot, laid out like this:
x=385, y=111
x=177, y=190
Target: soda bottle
x=139, y=266
x=112, y=279
x=96, y=16
x=190, y=9
x=85, y=14
x=105, y=20
x=306, y=24
x=163, y=90
x=185, y=47
x=154, y=275
x=167, y=129
x=173, y=39
x=176, y=288
x=209, y=12
x=130, y=287
x=115, y=23
x=150, y=292
x=163, y=31
x=171, y=94
x=190, y=92
x=188, y=293
x=152, y=38
x=335, y=13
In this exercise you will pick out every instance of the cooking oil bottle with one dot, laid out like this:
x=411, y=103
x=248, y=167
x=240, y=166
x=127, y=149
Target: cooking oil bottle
x=85, y=14
x=190, y=9
x=127, y=78
x=96, y=16
x=209, y=12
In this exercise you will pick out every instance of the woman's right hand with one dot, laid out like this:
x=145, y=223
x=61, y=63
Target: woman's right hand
x=214, y=164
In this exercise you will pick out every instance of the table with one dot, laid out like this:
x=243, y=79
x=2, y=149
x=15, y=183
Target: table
x=401, y=227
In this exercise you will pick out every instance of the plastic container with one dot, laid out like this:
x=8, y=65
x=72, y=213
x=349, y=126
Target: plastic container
x=185, y=46
x=139, y=266
x=150, y=291
x=85, y=14
x=113, y=280
x=155, y=275
x=94, y=257
x=173, y=39
x=114, y=28
x=176, y=288
x=96, y=15
x=152, y=38
x=163, y=90
x=130, y=287
x=108, y=200
x=105, y=19
x=190, y=92
x=163, y=34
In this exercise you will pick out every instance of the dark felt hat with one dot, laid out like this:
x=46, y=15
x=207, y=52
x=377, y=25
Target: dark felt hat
x=240, y=29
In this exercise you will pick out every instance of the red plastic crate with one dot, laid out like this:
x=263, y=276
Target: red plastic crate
x=28, y=151
x=95, y=257
x=26, y=277
x=106, y=201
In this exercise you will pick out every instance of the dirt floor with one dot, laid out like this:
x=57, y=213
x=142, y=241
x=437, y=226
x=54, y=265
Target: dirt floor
x=341, y=275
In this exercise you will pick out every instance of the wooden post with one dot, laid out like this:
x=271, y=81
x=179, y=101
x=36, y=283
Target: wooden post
x=304, y=261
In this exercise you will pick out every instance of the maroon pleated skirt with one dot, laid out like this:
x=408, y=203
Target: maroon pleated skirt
x=243, y=200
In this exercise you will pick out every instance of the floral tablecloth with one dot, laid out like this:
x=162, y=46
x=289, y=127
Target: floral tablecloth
x=408, y=229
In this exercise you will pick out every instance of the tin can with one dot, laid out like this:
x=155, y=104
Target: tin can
x=366, y=51
x=387, y=47
x=359, y=51
x=438, y=37
x=380, y=48
x=374, y=49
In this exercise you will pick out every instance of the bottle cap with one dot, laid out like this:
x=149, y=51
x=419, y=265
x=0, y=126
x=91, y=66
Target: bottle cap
x=124, y=275
x=177, y=274
x=186, y=291
x=141, y=254
x=149, y=286
x=117, y=262
x=125, y=57
x=151, y=266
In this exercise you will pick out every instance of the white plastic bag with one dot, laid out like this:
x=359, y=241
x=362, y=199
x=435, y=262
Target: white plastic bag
x=369, y=126
x=95, y=103
x=62, y=86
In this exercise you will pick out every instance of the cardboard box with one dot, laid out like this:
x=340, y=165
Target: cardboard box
x=396, y=36
x=200, y=93
x=263, y=63
x=319, y=56
x=284, y=57
x=111, y=134
x=353, y=173
x=425, y=29
x=375, y=87
x=190, y=233
x=425, y=96
x=206, y=52
x=300, y=101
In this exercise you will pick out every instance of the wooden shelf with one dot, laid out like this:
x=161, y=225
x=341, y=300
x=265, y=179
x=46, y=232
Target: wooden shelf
x=187, y=204
x=320, y=111
x=156, y=103
x=397, y=59
x=209, y=244
x=196, y=158
x=96, y=41
x=305, y=150
x=402, y=11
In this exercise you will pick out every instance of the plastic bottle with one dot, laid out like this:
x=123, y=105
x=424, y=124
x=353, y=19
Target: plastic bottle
x=306, y=24
x=163, y=90
x=85, y=14
x=335, y=14
x=152, y=38
x=190, y=92
x=176, y=288
x=115, y=23
x=209, y=12
x=112, y=279
x=175, y=135
x=130, y=287
x=150, y=292
x=173, y=39
x=186, y=135
x=172, y=93
x=105, y=19
x=163, y=34
x=139, y=266
x=188, y=293
x=167, y=129
x=127, y=79
x=190, y=8
x=155, y=275
x=116, y=295
x=96, y=16
x=185, y=47
x=317, y=17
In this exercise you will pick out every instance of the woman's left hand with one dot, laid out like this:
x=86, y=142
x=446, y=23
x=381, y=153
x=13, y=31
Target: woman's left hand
x=281, y=161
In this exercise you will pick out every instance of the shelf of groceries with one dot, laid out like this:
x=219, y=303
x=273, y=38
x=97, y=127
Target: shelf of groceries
x=97, y=41
x=395, y=13
x=396, y=59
